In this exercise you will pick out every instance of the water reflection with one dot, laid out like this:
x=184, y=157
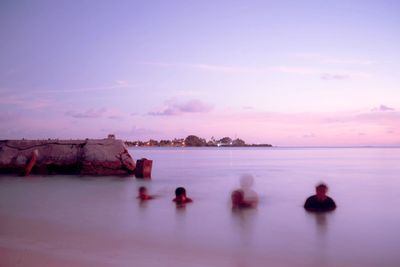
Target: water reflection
x=244, y=223
x=243, y=220
x=143, y=204
x=180, y=208
x=321, y=221
x=321, y=243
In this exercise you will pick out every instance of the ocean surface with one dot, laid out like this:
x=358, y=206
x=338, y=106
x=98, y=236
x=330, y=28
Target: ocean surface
x=88, y=221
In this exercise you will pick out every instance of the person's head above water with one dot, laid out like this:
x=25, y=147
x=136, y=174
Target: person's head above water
x=180, y=191
x=321, y=189
x=320, y=201
x=142, y=190
x=143, y=195
x=180, y=196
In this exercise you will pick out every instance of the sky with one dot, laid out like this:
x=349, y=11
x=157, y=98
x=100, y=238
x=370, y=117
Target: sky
x=287, y=73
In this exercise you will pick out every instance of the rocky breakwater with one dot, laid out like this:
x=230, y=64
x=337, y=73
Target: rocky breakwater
x=83, y=157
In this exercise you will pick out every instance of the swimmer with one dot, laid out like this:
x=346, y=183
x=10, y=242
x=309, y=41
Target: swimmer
x=143, y=195
x=180, y=196
x=238, y=200
x=320, y=201
x=245, y=197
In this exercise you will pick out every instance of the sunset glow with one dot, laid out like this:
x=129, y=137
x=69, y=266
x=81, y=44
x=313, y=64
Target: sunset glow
x=288, y=73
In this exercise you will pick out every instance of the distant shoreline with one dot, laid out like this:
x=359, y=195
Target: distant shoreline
x=192, y=141
x=271, y=147
x=216, y=146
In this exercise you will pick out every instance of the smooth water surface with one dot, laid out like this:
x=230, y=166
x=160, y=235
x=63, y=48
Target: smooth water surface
x=85, y=221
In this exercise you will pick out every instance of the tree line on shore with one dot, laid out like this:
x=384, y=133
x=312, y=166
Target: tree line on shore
x=195, y=141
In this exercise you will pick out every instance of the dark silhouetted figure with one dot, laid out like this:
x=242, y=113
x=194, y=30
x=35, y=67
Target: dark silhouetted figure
x=320, y=201
x=180, y=196
x=143, y=195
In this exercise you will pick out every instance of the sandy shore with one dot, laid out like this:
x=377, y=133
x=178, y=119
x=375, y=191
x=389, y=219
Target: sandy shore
x=31, y=243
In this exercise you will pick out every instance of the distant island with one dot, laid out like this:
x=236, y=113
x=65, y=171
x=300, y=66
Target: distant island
x=194, y=141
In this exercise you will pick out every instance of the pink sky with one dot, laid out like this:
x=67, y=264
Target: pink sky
x=308, y=74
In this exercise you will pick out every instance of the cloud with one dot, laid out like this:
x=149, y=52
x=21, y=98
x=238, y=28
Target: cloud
x=330, y=76
x=122, y=82
x=111, y=114
x=383, y=108
x=237, y=69
x=294, y=70
x=114, y=117
x=168, y=111
x=232, y=69
x=118, y=84
x=90, y=113
x=192, y=106
x=332, y=60
x=311, y=135
x=25, y=102
x=348, y=61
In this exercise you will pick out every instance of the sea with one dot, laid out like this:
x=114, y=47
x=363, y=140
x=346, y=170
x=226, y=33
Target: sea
x=98, y=221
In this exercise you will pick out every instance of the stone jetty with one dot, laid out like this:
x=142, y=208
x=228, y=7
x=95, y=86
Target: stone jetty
x=82, y=157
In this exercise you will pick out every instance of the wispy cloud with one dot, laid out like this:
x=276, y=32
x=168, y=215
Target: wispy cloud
x=294, y=70
x=118, y=84
x=236, y=69
x=333, y=60
x=383, y=108
x=25, y=102
x=86, y=89
x=177, y=108
x=349, y=61
x=323, y=73
x=310, y=135
x=330, y=76
x=90, y=113
x=111, y=114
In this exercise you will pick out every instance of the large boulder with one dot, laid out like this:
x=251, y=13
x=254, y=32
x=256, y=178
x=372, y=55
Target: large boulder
x=87, y=157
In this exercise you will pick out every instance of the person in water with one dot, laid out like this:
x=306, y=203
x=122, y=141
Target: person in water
x=180, y=196
x=239, y=202
x=320, y=201
x=143, y=194
x=245, y=197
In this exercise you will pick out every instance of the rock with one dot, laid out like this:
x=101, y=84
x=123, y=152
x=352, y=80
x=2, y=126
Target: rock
x=143, y=168
x=86, y=157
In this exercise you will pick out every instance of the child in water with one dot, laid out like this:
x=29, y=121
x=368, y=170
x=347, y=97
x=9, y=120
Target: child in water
x=180, y=196
x=143, y=195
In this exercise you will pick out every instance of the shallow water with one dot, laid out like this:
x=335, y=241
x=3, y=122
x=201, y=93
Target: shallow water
x=84, y=221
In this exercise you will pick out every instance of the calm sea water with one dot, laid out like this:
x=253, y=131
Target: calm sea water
x=84, y=221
